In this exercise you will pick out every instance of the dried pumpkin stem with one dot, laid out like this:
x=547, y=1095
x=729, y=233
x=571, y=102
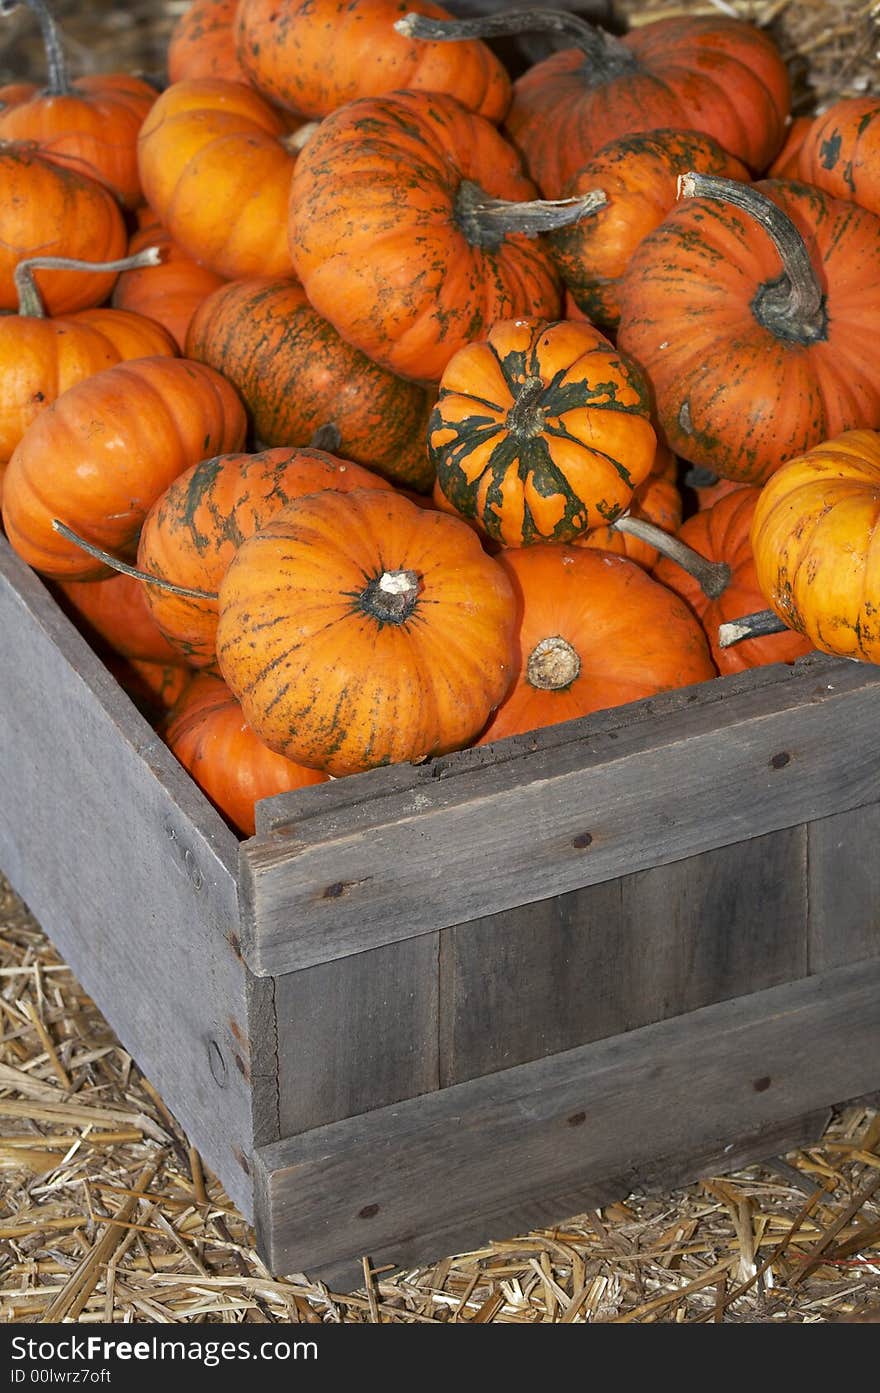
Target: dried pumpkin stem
x=123, y=567
x=607, y=57
x=30, y=303
x=391, y=597
x=759, y=625
x=713, y=577
x=59, y=82
x=793, y=305
x=298, y=139
x=553, y=664
x=486, y=221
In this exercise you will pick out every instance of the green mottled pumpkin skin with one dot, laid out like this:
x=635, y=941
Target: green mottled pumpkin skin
x=541, y=432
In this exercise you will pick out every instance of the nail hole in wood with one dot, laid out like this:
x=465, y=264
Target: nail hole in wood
x=576, y=1119
x=581, y=840
x=334, y=891
x=369, y=1211
x=761, y=1085
x=779, y=761
x=217, y=1064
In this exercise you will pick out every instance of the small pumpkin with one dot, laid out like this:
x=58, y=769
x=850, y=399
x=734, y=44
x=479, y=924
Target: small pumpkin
x=359, y=629
x=787, y=162
x=46, y=210
x=708, y=73
x=721, y=534
x=594, y=631
x=44, y=356
x=639, y=176
x=754, y=312
x=100, y=455
x=282, y=46
x=194, y=528
x=89, y=124
x=208, y=733
x=169, y=292
x=815, y=539
x=294, y=373
x=216, y=162
x=541, y=431
x=411, y=231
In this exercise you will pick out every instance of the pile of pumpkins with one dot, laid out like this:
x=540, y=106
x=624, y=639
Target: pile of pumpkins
x=348, y=384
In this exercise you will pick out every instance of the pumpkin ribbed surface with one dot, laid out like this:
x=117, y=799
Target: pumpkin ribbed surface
x=169, y=293
x=816, y=542
x=115, y=609
x=358, y=630
x=379, y=219
x=541, y=431
x=657, y=499
x=99, y=457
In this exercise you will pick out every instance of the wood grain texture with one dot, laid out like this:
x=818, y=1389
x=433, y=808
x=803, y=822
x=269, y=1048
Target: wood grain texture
x=579, y=967
x=127, y=867
x=844, y=888
x=461, y=844
x=535, y=1143
x=357, y=1033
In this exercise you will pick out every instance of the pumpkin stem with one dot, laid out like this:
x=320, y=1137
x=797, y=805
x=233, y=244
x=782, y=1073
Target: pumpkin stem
x=553, y=664
x=298, y=139
x=793, y=305
x=607, y=58
x=758, y=625
x=59, y=84
x=526, y=418
x=713, y=577
x=30, y=303
x=391, y=598
x=123, y=567
x=486, y=221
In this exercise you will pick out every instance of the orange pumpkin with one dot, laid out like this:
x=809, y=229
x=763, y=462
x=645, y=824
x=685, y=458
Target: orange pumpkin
x=721, y=534
x=639, y=176
x=754, y=313
x=541, y=431
x=100, y=455
x=406, y=229
x=787, y=162
x=595, y=630
x=168, y=293
x=216, y=163
x=208, y=733
x=295, y=373
x=359, y=629
x=193, y=530
x=43, y=356
x=815, y=539
x=89, y=125
x=283, y=46
x=49, y=211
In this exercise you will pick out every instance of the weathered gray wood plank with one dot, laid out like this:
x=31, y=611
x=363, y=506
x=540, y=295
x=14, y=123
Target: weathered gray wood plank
x=541, y=1141
x=127, y=867
x=357, y=1034
x=844, y=888
x=449, y=850
x=579, y=967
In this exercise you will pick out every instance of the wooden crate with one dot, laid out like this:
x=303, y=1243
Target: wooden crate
x=431, y=1005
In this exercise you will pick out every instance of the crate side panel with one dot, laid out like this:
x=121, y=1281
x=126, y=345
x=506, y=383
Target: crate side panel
x=612, y=957
x=542, y=1141
x=844, y=888
x=357, y=1033
x=456, y=849
x=127, y=868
